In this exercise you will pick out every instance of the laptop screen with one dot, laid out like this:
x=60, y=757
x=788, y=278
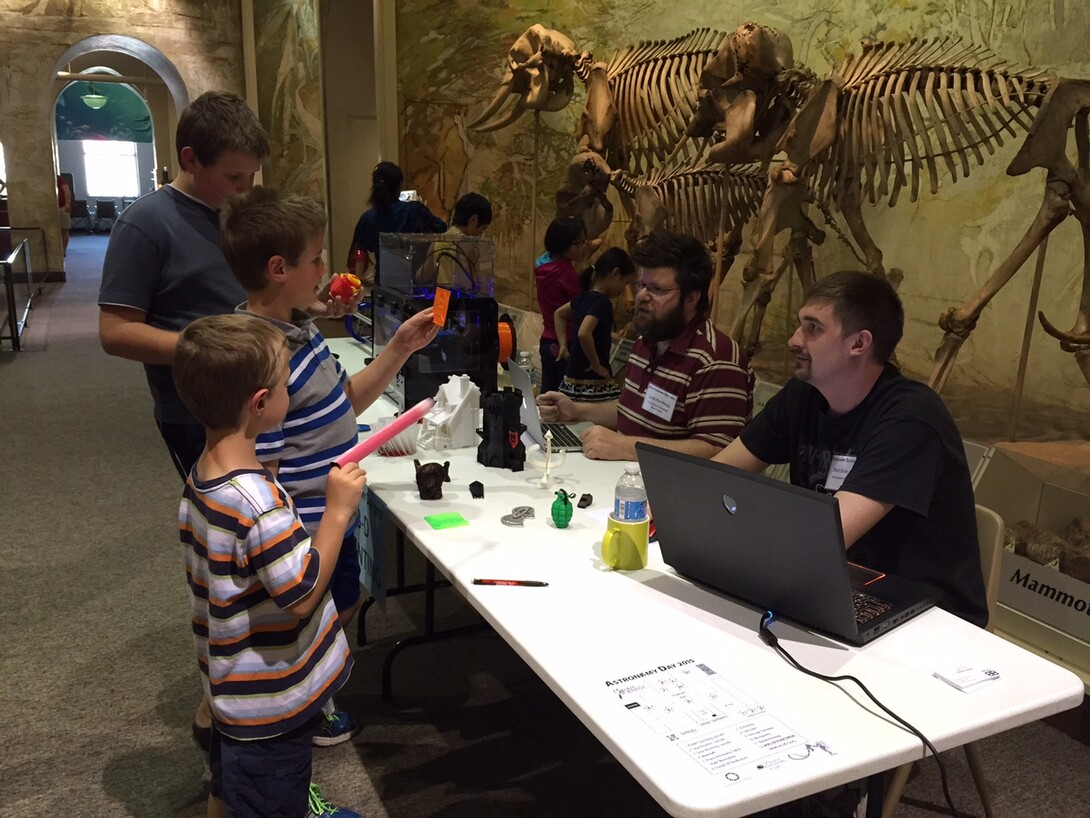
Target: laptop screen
x=563, y=440
x=768, y=543
x=530, y=418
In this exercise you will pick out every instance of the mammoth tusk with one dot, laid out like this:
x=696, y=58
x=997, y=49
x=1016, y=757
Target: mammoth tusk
x=493, y=107
x=505, y=120
x=1069, y=341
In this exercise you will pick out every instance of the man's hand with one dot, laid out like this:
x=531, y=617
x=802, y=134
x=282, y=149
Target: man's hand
x=417, y=332
x=343, y=489
x=602, y=372
x=562, y=352
x=556, y=408
x=600, y=443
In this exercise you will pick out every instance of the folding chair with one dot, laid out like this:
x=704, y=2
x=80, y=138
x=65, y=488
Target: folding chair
x=105, y=211
x=82, y=215
x=989, y=527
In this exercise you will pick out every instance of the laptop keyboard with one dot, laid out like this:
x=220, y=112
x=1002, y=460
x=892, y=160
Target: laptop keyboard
x=868, y=607
x=563, y=436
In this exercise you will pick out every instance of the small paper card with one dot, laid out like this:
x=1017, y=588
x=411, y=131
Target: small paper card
x=442, y=304
x=451, y=519
x=967, y=678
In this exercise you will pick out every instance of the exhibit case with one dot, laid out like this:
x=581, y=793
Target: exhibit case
x=1044, y=591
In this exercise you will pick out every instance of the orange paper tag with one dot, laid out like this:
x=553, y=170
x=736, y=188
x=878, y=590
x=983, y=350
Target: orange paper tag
x=442, y=303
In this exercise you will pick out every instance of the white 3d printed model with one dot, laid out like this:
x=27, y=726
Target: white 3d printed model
x=452, y=423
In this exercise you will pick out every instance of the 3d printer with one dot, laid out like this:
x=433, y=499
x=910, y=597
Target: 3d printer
x=474, y=337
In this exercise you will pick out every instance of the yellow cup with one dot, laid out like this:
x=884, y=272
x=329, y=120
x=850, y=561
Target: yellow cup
x=624, y=547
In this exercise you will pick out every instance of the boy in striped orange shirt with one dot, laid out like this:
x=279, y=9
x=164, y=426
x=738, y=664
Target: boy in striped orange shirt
x=269, y=644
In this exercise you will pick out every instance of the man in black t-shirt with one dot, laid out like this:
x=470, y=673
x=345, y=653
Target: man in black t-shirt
x=852, y=426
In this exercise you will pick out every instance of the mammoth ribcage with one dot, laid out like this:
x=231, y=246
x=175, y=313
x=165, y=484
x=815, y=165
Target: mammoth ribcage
x=694, y=198
x=655, y=89
x=914, y=109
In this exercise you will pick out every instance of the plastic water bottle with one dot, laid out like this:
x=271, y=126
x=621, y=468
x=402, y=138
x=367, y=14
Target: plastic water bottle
x=630, y=497
x=526, y=364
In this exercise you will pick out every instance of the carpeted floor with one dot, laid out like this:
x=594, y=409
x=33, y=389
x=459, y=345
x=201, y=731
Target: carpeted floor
x=99, y=681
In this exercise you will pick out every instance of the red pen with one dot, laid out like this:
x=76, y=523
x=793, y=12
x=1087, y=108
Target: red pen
x=529, y=583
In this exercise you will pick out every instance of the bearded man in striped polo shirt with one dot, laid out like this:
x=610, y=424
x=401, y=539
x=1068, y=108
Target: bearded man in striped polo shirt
x=688, y=387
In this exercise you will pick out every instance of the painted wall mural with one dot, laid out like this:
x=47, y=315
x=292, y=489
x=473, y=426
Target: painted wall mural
x=450, y=61
x=290, y=94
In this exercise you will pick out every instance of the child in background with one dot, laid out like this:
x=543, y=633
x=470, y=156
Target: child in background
x=273, y=243
x=587, y=377
x=451, y=265
x=269, y=645
x=557, y=283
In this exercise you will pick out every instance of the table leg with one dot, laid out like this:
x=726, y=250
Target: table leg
x=429, y=634
x=397, y=590
x=876, y=794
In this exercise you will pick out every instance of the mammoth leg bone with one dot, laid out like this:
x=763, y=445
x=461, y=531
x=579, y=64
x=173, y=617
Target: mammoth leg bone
x=853, y=216
x=799, y=255
x=1078, y=339
x=727, y=246
x=959, y=322
x=782, y=208
x=758, y=274
x=756, y=294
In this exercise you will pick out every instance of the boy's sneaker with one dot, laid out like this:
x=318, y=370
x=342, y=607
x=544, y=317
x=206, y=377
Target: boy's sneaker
x=338, y=726
x=320, y=808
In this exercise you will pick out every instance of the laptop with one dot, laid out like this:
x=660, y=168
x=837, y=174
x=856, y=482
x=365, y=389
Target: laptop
x=771, y=544
x=565, y=439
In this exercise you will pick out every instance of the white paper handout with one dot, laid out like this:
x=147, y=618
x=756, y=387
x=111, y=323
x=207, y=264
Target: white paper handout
x=725, y=730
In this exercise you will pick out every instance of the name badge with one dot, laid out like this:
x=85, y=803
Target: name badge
x=659, y=402
x=839, y=470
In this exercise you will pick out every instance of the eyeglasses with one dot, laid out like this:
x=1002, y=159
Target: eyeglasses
x=654, y=290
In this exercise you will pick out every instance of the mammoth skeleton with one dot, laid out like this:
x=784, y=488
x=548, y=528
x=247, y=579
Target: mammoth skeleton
x=710, y=104
x=901, y=112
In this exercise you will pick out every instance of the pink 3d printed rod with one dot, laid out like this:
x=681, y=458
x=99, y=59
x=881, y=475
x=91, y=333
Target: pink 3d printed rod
x=386, y=433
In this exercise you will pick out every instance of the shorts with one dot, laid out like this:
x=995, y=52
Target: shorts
x=65, y=219
x=263, y=778
x=344, y=585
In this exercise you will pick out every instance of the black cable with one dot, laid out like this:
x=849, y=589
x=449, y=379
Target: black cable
x=769, y=638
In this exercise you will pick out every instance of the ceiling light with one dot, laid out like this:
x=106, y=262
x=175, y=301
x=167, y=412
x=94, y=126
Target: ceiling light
x=93, y=99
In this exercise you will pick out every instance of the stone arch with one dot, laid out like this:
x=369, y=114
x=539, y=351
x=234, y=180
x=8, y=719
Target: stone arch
x=151, y=56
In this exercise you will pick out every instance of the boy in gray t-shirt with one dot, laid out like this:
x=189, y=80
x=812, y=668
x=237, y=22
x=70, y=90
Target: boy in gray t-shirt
x=164, y=267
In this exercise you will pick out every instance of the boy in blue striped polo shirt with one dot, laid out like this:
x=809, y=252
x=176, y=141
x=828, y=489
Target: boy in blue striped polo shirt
x=273, y=242
x=269, y=643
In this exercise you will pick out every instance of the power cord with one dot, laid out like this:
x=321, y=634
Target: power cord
x=769, y=638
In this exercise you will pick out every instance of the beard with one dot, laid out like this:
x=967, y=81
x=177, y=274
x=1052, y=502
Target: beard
x=664, y=328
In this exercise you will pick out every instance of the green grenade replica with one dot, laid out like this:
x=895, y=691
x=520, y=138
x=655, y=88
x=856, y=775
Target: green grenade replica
x=562, y=509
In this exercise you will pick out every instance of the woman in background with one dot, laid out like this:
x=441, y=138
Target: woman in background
x=388, y=214
x=557, y=283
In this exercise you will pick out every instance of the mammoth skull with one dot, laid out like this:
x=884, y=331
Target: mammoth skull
x=540, y=75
